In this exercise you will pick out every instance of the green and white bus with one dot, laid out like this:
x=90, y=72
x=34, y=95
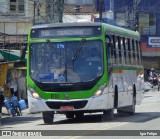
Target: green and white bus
x=77, y=68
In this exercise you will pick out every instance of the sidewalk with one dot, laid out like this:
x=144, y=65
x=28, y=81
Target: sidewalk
x=5, y=113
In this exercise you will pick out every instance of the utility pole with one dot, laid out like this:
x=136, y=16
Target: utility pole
x=55, y=10
x=100, y=9
x=127, y=19
x=136, y=14
x=34, y=12
x=61, y=10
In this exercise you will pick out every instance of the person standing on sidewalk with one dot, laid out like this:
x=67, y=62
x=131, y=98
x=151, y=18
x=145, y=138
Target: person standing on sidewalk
x=22, y=87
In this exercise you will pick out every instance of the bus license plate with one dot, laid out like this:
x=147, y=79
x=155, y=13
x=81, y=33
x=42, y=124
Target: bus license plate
x=66, y=108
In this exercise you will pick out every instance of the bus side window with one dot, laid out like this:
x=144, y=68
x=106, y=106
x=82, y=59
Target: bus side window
x=120, y=49
x=114, y=50
x=140, y=53
x=110, y=53
x=124, y=51
x=109, y=45
x=136, y=52
x=133, y=52
x=117, y=50
x=129, y=52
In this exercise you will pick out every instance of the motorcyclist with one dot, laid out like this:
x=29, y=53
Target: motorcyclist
x=153, y=77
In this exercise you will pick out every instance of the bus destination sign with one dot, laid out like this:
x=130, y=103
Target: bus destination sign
x=65, y=32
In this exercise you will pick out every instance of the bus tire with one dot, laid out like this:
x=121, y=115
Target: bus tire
x=48, y=117
x=108, y=114
x=69, y=115
x=116, y=97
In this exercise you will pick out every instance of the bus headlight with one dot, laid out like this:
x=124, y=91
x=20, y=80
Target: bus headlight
x=99, y=91
x=34, y=93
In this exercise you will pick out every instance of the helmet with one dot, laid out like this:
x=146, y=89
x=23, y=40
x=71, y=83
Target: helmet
x=152, y=69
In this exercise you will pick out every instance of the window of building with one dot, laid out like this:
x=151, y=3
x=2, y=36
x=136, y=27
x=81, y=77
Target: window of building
x=147, y=24
x=87, y=2
x=121, y=19
x=120, y=16
x=17, y=6
x=69, y=1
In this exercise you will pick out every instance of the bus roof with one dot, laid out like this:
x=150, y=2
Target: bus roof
x=107, y=27
x=67, y=24
x=121, y=31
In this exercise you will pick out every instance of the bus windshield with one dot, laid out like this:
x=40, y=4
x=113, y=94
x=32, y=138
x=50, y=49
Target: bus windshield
x=66, y=62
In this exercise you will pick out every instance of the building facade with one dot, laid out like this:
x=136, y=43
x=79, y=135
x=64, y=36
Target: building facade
x=148, y=26
x=17, y=17
x=78, y=10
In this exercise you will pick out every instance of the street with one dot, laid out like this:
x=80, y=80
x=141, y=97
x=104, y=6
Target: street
x=147, y=117
x=80, y=56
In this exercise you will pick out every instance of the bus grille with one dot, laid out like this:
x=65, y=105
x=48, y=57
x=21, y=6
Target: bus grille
x=75, y=104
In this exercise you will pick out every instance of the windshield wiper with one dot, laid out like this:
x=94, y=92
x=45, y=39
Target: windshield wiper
x=78, y=49
x=48, y=41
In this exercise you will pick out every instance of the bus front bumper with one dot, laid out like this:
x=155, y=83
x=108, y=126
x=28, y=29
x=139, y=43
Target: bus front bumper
x=102, y=102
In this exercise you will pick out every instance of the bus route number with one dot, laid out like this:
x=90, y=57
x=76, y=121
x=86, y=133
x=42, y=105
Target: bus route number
x=54, y=96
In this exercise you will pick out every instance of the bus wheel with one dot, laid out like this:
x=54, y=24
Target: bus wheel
x=108, y=114
x=79, y=115
x=48, y=117
x=69, y=115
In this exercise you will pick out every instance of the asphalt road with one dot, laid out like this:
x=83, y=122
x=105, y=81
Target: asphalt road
x=147, y=118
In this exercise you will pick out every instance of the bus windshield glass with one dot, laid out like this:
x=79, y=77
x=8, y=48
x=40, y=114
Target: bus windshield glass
x=66, y=62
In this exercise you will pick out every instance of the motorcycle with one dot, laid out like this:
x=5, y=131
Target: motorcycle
x=155, y=81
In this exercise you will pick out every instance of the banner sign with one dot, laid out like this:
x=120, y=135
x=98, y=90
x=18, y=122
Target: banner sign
x=154, y=41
